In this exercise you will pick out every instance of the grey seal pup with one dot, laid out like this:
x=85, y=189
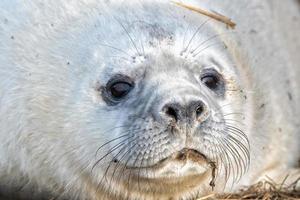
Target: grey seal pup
x=146, y=99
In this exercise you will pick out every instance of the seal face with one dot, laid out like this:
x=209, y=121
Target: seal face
x=173, y=102
x=129, y=101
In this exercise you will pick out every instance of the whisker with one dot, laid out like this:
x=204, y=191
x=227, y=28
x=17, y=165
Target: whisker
x=244, y=150
x=118, y=164
x=184, y=38
x=123, y=169
x=228, y=167
x=238, y=160
x=233, y=120
x=208, y=46
x=119, y=161
x=208, y=39
x=116, y=147
x=197, y=30
x=112, y=160
x=235, y=160
x=115, y=48
x=120, y=58
x=234, y=113
x=109, y=152
x=238, y=131
x=127, y=152
x=143, y=49
x=224, y=162
x=241, y=158
x=114, y=169
x=223, y=106
x=110, y=141
x=106, y=143
x=239, y=136
x=127, y=33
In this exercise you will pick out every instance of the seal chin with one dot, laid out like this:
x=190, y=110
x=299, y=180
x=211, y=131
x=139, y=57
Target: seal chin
x=180, y=165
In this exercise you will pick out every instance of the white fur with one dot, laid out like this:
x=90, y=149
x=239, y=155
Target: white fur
x=51, y=57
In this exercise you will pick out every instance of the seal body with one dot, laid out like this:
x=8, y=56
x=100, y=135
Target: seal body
x=146, y=100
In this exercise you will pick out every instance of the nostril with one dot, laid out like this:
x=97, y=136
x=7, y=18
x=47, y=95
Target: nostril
x=171, y=112
x=199, y=110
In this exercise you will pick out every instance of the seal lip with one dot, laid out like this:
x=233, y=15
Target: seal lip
x=179, y=166
x=183, y=156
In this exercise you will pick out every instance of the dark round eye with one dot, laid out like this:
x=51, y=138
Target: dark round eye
x=212, y=81
x=120, y=89
x=116, y=89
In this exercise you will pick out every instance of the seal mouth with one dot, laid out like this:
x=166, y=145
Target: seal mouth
x=183, y=156
x=181, y=166
x=191, y=154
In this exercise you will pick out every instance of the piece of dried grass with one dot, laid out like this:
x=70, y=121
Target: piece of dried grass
x=266, y=190
x=213, y=15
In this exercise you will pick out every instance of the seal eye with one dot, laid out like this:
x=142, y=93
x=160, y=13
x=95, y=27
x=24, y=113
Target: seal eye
x=120, y=89
x=211, y=81
x=214, y=81
x=116, y=89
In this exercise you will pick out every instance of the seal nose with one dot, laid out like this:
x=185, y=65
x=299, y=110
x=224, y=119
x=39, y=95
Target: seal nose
x=172, y=110
x=194, y=110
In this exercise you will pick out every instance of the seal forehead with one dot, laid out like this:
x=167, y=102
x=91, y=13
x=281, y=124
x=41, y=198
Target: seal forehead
x=143, y=23
x=143, y=42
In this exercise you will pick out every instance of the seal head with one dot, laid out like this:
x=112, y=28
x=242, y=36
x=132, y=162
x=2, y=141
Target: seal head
x=170, y=100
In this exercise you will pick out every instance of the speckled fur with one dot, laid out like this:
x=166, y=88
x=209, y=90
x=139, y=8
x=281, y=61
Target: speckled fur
x=53, y=58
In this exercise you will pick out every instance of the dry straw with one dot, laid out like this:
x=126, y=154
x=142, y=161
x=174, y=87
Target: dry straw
x=213, y=15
